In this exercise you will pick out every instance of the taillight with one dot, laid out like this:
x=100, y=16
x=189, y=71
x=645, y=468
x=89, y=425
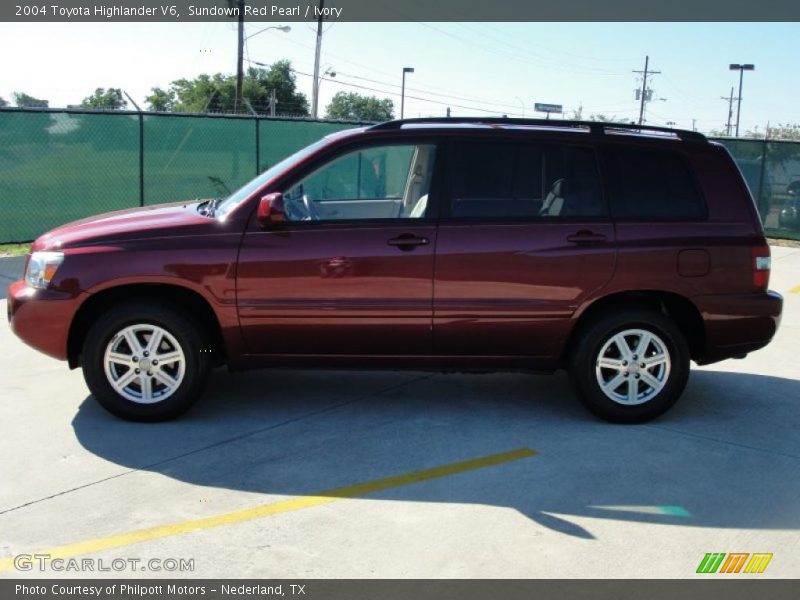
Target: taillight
x=762, y=263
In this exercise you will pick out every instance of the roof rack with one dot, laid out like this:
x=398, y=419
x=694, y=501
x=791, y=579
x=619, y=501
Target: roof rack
x=595, y=127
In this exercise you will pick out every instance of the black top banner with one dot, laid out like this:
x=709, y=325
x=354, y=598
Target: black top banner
x=399, y=10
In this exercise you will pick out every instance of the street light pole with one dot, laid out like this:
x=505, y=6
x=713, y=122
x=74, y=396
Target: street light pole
x=741, y=69
x=403, y=90
x=522, y=104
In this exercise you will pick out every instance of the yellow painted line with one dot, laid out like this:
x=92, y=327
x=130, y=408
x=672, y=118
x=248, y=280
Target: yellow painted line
x=795, y=290
x=275, y=508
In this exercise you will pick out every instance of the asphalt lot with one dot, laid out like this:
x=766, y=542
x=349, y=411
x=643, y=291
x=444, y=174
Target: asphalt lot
x=243, y=483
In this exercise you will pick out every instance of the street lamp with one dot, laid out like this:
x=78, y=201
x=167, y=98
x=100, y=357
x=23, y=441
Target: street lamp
x=284, y=29
x=240, y=53
x=741, y=69
x=403, y=89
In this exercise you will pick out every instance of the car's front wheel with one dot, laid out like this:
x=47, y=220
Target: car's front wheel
x=630, y=366
x=145, y=362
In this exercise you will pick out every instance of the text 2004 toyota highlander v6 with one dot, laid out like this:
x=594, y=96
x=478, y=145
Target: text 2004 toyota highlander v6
x=619, y=253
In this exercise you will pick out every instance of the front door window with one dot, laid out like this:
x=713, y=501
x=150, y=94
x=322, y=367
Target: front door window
x=381, y=182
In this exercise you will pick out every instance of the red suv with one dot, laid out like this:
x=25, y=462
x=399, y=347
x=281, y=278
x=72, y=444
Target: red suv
x=618, y=252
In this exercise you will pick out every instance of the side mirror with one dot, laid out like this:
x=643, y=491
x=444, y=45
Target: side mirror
x=271, y=210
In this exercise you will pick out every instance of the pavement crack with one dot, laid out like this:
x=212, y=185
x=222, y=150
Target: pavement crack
x=219, y=443
x=725, y=442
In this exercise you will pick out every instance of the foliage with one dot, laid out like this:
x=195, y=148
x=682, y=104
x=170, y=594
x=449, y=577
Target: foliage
x=217, y=93
x=781, y=131
x=110, y=98
x=14, y=249
x=601, y=118
x=577, y=115
x=355, y=107
x=161, y=100
x=22, y=99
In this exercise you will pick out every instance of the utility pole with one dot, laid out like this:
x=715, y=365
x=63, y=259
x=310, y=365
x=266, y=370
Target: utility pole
x=315, y=83
x=644, y=73
x=239, y=58
x=729, y=100
x=273, y=100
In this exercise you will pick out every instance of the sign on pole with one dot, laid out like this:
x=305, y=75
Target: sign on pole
x=548, y=108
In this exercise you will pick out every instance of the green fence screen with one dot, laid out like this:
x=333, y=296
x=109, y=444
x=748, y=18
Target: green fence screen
x=56, y=167
x=60, y=165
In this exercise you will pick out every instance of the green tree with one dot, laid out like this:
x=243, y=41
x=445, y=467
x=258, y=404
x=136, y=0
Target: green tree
x=355, y=107
x=110, y=98
x=217, y=93
x=3, y=102
x=24, y=100
x=161, y=100
x=259, y=83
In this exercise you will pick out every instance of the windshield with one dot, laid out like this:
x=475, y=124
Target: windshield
x=249, y=188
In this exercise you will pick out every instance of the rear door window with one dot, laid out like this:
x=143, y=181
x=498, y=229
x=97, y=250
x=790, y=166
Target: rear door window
x=518, y=180
x=652, y=185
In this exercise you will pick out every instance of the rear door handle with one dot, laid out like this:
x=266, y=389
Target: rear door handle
x=584, y=236
x=408, y=241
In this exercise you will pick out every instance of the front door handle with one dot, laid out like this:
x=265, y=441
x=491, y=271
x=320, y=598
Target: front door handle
x=408, y=241
x=584, y=236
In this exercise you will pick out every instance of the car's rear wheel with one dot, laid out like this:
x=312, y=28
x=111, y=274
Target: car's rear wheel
x=630, y=366
x=145, y=362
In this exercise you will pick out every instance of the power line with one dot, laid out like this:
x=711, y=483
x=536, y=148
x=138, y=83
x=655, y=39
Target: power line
x=425, y=90
x=371, y=89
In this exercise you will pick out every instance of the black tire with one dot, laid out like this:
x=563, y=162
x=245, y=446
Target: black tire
x=190, y=338
x=586, y=352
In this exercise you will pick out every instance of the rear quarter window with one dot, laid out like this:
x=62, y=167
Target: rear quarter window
x=652, y=185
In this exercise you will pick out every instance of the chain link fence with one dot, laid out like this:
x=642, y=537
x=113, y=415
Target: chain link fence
x=60, y=165
x=57, y=166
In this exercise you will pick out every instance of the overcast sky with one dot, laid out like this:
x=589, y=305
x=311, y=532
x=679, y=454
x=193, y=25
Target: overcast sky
x=476, y=68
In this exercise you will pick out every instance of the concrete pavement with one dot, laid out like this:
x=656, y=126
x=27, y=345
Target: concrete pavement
x=719, y=473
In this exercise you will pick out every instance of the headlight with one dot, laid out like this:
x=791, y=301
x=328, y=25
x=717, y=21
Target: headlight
x=42, y=268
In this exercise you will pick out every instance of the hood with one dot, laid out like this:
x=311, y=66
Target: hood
x=158, y=220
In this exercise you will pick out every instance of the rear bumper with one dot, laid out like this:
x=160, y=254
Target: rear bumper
x=738, y=323
x=42, y=318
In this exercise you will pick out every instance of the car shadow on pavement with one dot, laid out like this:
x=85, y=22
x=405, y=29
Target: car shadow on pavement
x=727, y=455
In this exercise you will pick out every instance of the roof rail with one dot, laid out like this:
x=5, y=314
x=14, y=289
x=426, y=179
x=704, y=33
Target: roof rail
x=595, y=127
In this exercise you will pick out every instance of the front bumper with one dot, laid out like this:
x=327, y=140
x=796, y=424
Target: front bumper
x=738, y=323
x=42, y=318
